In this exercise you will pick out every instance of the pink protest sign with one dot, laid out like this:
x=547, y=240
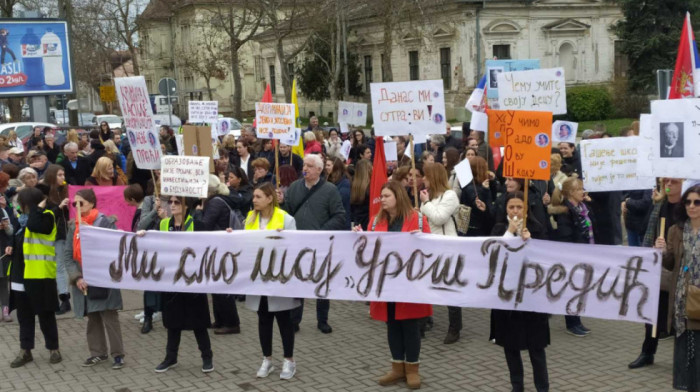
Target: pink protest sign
x=110, y=201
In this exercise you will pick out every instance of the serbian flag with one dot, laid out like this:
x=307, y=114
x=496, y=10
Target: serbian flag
x=378, y=177
x=475, y=103
x=299, y=148
x=267, y=97
x=686, y=77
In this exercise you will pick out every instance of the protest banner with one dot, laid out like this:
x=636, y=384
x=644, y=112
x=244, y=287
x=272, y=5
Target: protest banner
x=494, y=67
x=403, y=108
x=110, y=201
x=528, y=145
x=203, y=112
x=197, y=142
x=185, y=176
x=352, y=113
x=274, y=120
x=542, y=90
x=611, y=165
x=564, y=131
x=610, y=282
x=138, y=121
x=674, y=135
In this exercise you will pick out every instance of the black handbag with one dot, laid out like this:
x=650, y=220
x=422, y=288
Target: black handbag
x=97, y=293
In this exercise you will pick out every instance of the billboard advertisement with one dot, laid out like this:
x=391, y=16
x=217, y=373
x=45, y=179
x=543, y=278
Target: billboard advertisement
x=34, y=57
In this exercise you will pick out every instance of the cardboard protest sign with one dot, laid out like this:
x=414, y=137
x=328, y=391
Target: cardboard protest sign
x=402, y=108
x=185, y=176
x=203, y=111
x=198, y=143
x=528, y=145
x=390, y=152
x=542, y=90
x=674, y=135
x=274, y=120
x=611, y=165
x=463, y=170
x=138, y=121
x=479, y=122
x=500, y=122
x=111, y=201
x=564, y=131
x=352, y=113
x=494, y=67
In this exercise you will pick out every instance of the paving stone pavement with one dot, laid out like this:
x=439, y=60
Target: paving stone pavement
x=349, y=359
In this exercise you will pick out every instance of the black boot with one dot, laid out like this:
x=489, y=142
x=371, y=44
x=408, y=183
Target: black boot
x=64, y=307
x=147, y=324
x=642, y=360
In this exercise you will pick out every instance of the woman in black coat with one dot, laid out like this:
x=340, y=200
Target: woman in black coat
x=516, y=330
x=480, y=199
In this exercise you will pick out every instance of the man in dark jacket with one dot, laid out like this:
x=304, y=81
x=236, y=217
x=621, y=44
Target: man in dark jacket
x=315, y=204
x=635, y=209
x=287, y=158
x=77, y=168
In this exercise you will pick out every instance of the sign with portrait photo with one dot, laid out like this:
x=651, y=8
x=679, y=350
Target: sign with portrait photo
x=564, y=131
x=673, y=138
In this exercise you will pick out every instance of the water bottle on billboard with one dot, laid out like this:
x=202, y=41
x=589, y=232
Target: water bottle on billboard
x=53, y=59
x=31, y=59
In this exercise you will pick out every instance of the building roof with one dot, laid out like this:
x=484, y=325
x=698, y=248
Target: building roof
x=158, y=10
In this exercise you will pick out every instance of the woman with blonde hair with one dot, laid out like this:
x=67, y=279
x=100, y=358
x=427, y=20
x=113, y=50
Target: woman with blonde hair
x=104, y=174
x=13, y=141
x=114, y=153
x=312, y=144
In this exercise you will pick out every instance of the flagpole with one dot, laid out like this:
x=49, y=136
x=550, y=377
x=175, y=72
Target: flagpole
x=277, y=162
x=413, y=167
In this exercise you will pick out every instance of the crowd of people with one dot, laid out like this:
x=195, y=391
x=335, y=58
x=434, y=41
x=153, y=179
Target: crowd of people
x=325, y=190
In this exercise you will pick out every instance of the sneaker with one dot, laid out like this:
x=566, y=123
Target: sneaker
x=584, y=329
x=289, y=368
x=6, y=314
x=23, y=358
x=92, y=361
x=140, y=316
x=166, y=365
x=157, y=316
x=576, y=331
x=207, y=365
x=55, y=356
x=118, y=363
x=266, y=368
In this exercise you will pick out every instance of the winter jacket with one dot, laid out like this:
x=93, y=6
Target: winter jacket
x=672, y=261
x=605, y=206
x=638, y=206
x=82, y=171
x=292, y=159
x=313, y=147
x=359, y=213
x=344, y=189
x=440, y=212
x=333, y=148
x=570, y=226
x=242, y=198
x=322, y=211
x=481, y=222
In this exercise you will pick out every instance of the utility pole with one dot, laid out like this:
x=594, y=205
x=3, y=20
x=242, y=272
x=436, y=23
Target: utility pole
x=345, y=54
x=65, y=11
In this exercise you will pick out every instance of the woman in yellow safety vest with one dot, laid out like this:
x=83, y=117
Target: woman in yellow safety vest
x=266, y=215
x=33, y=275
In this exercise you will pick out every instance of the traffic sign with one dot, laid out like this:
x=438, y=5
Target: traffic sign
x=167, y=87
x=108, y=94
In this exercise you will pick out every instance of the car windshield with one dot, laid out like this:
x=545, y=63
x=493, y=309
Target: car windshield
x=235, y=124
x=110, y=119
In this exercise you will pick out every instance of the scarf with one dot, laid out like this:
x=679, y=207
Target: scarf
x=87, y=219
x=584, y=222
x=691, y=266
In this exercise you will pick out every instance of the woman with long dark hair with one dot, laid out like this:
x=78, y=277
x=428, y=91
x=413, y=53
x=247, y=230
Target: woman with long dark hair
x=359, y=194
x=338, y=176
x=57, y=202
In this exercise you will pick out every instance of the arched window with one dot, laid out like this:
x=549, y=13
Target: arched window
x=567, y=60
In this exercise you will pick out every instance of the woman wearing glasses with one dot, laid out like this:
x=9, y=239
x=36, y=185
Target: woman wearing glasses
x=183, y=311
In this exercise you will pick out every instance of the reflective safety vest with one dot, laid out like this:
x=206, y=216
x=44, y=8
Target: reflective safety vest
x=40, y=253
x=252, y=222
x=188, y=226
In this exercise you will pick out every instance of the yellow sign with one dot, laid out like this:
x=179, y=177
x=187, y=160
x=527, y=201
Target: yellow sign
x=108, y=94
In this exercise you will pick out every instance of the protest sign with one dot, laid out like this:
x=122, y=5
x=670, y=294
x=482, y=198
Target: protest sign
x=500, y=122
x=294, y=140
x=344, y=127
x=110, y=201
x=180, y=143
x=479, y=122
x=390, y=152
x=542, y=90
x=645, y=150
x=674, y=134
x=402, y=108
x=463, y=170
x=203, y=112
x=494, y=67
x=610, y=164
x=345, y=149
x=528, y=146
x=564, y=131
x=274, y=120
x=138, y=121
x=198, y=142
x=185, y=176
x=610, y=282
x=352, y=113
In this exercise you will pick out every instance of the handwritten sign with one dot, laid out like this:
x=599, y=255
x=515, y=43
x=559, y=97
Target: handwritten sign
x=674, y=136
x=275, y=120
x=500, y=122
x=528, y=145
x=352, y=113
x=564, y=131
x=611, y=165
x=203, y=111
x=494, y=67
x=402, y=108
x=138, y=121
x=185, y=176
x=542, y=90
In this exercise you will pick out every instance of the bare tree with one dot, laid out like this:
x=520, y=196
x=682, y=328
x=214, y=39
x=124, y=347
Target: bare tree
x=207, y=58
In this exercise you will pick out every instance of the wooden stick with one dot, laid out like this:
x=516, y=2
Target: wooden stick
x=277, y=162
x=78, y=217
x=662, y=234
x=413, y=167
x=525, y=191
x=155, y=183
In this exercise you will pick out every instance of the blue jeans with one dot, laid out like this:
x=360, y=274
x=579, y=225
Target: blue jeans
x=61, y=274
x=634, y=238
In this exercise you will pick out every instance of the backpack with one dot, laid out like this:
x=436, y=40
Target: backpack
x=235, y=219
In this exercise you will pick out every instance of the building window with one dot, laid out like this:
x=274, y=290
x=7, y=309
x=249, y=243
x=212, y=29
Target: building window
x=259, y=70
x=501, y=52
x=273, y=88
x=368, y=72
x=446, y=67
x=290, y=71
x=185, y=37
x=621, y=61
x=381, y=66
x=413, y=69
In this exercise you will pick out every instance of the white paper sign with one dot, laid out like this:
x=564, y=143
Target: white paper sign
x=344, y=127
x=138, y=121
x=223, y=126
x=645, y=151
x=294, y=140
x=463, y=170
x=352, y=113
x=610, y=164
x=203, y=112
x=345, y=148
x=180, y=142
x=479, y=122
x=564, y=131
x=542, y=90
x=402, y=108
x=390, y=153
x=186, y=176
x=610, y=282
x=674, y=135
x=274, y=120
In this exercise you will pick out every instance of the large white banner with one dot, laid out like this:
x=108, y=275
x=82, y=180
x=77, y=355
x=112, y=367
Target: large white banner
x=541, y=90
x=673, y=135
x=138, y=121
x=402, y=108
x=611, y=282
x=610, y=164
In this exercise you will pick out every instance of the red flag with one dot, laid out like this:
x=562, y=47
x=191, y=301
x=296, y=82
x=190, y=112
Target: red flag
x=378, y=177
x=682, y=83
x=267, y=97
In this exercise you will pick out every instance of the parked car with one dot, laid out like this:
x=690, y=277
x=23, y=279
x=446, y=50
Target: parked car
x=171, y=120
x=24, y=130
x=111, y=119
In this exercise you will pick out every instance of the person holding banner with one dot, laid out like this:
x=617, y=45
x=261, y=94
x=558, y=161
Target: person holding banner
x=266, y=215
x=184, y=311
x=99, y=305
x=402, y=319
x=57, y=201
x=515, y=330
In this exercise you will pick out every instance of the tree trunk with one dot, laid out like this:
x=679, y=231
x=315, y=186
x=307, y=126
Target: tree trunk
x=15, y=106
x=134, y=59
x=286, y=83
x=207, y=81
x=237, y=83
x=387, y=44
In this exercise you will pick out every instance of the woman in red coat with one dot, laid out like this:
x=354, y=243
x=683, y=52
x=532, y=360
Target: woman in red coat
x=402, y=319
